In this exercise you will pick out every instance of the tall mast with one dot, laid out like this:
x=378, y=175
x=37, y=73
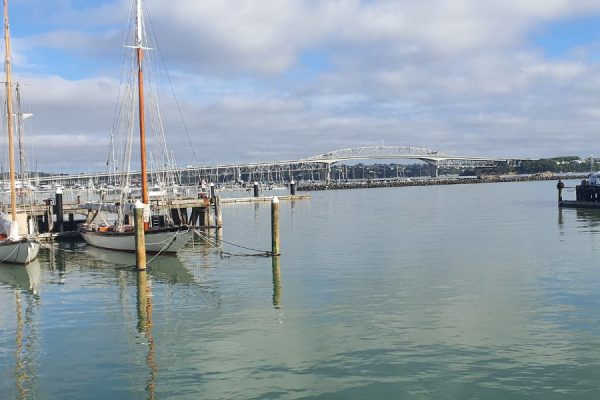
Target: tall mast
x=142, y=121
x=9, y=112
x=20, y=118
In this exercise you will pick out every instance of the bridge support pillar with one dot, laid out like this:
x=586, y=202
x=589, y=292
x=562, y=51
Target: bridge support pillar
x=328, y=173
x=434, y=170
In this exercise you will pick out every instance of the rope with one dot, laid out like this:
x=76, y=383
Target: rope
x=215, y=242
x=165, y=247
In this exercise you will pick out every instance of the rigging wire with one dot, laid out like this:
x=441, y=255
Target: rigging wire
x=185, y=128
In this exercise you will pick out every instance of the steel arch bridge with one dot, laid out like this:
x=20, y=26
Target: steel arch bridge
x=402, y=152
x=321, y=163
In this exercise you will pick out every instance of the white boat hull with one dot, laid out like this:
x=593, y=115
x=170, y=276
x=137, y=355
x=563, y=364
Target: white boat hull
x=161, y=241
x=18, y=252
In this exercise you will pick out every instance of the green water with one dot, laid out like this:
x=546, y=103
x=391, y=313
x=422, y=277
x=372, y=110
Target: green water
x=447, y=292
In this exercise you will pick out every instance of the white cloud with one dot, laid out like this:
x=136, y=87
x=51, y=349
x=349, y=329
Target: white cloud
x=454, y=75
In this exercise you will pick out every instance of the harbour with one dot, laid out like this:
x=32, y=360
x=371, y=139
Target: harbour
x=298, y=200
x=495, y=312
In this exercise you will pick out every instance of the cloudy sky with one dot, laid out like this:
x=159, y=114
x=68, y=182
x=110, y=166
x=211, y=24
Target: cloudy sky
x=260, y=80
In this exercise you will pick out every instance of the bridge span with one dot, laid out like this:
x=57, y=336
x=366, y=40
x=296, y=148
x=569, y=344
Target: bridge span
x=321, y=164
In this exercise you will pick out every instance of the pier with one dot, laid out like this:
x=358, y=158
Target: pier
x=587, y=195
x=57, y=219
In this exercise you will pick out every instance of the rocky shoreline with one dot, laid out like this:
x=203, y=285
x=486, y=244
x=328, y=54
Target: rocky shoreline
x=434, y=181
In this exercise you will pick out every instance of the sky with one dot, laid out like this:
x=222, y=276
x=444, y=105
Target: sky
x=266, y=80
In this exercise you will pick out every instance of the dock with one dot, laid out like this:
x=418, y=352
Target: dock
x=587, y=194
x=58, y=220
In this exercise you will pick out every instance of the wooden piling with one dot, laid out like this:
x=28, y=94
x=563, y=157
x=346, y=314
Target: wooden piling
x=256, y=189
x=212, y=190
x=560, y=186
x=140, y=237
x=49, y=216
x=204, y=216
x=293, y=188
x=211, y=217
x=175, y=216
x=218, y=212
x=142, y=300
x=276, y=282
x=195, y=216
x=183, y=212
x=275, y=226
x=58, y=200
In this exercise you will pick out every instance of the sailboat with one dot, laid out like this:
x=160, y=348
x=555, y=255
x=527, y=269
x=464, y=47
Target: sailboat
x=162, y=235
x=17, y=246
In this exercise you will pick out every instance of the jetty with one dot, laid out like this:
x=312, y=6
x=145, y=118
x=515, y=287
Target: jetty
x=58, y=219
x=587, y=193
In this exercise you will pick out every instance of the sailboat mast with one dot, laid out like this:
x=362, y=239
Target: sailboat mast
x=142, y=119
x=20, y=118
x=9, y=112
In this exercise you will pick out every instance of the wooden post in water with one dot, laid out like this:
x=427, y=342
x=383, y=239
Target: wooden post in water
x=276, y=282
x=255, y=189
x=275, y=226
x=293, y=188
x=204, y=219
x=140, y=237
x=218, y=213
x=142, y=301
x=49, y=215
x=58, y=199
x=560, y=186
x=212, y=190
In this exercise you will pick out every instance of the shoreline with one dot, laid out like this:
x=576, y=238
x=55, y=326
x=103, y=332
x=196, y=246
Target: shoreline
x=435, y=181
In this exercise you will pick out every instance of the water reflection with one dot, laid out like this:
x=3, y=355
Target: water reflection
x=589, y=217
x=25, y=278
x=144, y=327
x=167, y=268
x=276, y=282
x=26, y=281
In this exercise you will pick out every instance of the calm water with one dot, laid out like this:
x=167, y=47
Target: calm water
x=448, y=292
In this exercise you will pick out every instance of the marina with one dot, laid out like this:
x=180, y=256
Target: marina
x=299, y=200
x=357, y=314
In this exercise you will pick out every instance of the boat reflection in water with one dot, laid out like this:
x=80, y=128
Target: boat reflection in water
x=25, y=278
x=167, y=268
x=26, y=282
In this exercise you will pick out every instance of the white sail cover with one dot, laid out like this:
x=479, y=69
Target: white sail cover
x=9, y=227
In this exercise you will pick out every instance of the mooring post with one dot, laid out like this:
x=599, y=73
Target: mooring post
x=58, y=200
x=255, y=189
x=560, y=186
x=212, y=190
x=211, y=217
x=49, y=215
x=218, y=213
x=275, y=226
x=293, y=188
x=140, y=237
x=142, y=300
x=276, y=282
x=204, y=219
